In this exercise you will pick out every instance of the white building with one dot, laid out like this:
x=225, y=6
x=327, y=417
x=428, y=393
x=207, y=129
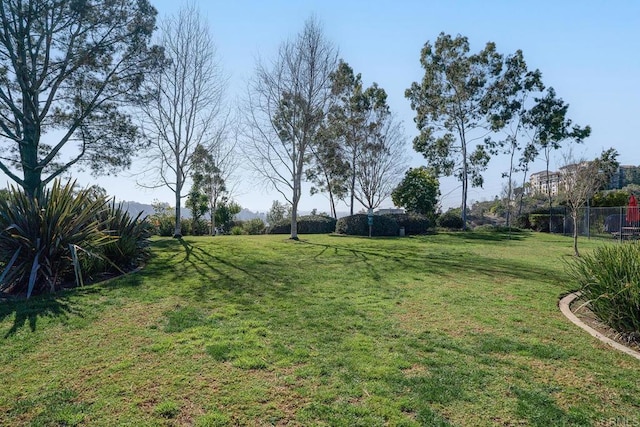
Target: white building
x=539, y=184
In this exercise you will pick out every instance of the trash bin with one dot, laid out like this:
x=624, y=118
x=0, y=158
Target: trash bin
x=401, y=231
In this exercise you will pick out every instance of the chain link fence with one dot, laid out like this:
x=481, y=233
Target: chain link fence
x=617, y=223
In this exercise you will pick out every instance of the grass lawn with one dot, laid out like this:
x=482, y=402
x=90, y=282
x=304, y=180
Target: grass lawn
x=453, y=329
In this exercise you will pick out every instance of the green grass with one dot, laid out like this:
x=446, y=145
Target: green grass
x=451, y=329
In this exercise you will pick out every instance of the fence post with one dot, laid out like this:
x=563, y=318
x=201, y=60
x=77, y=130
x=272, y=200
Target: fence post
x=620, y=226
x=588, y=220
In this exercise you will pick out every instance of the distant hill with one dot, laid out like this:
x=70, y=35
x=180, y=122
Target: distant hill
x=246, y=214
x=134, y=208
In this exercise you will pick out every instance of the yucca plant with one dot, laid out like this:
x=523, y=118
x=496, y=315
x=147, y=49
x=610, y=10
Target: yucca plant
x=129, y=246
x=609, y=279
x=42, y=239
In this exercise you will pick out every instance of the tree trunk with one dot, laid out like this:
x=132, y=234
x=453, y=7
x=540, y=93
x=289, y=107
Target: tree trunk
x=294, y=205
x=510, y=187
x=574, y=216
x=353, y=191
x=524, y=181
x=332, y=204
x=177, y=233
x=32, y=181
x=549, y=191
x=32, y=172
x=465, y=185
x=212, y=215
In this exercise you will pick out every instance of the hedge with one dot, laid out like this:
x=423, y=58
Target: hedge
x=307, y=224
x=413, y=223
x=358, y=225
x=451, y=220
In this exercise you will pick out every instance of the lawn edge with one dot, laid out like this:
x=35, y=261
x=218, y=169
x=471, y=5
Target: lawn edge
x=565, y=304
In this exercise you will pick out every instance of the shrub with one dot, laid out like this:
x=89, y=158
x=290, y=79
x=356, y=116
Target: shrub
x=129, y=246
x=254, y=226
x=540, y=222
x=316, y=224
x=522, y=221
x=497, y=228
x=413, y=223
x=283, y=227
x=163, y=224
x=199, y=227
x=43, y=239
x=308, y=224
x=186, y=226
x=609, y=279
x=451, y=219
x=358, y=225
x=236, y=230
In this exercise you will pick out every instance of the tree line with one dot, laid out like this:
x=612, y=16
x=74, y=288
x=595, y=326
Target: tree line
x=93, y=78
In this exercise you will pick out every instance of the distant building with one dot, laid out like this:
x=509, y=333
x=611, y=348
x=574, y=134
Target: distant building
x=389, y=211
x=539, y=184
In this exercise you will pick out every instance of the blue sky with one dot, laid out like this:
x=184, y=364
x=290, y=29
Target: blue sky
x=589, y=51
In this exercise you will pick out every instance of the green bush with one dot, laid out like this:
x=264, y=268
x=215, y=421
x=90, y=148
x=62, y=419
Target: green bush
x=522, y=221
x=236, y=230
x=308, y=224
x=254, y=226
x=64, y=236
x=540, y=222
x=358, y=225
x=451, y=219
x=163, y=224
x=128, y=247
x=413, y=224
x=199, y=227
x=283, y=227
x=609, y=279
x=497, y=229
x=44, y=239
x=186, y=227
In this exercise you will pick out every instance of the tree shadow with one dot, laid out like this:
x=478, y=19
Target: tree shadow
x=28, y=311
x=440, y=262
x=490, y=236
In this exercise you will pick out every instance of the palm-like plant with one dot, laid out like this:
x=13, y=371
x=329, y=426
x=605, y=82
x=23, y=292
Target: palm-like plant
x=42, y=238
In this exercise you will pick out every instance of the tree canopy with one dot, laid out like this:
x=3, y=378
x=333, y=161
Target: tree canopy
x=67, y=70
x=453, y=103
x=418, y=192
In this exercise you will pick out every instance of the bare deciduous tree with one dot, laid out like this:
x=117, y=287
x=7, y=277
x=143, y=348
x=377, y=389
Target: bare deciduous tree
x=187, y=107
x=213, y=169
x=285, y=109
x=381, y=163
x=581, y=179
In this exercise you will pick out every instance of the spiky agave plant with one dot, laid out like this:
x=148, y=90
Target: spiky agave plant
x=41, y=238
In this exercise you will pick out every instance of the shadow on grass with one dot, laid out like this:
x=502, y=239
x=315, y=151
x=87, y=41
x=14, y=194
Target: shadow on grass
x=479, y=357
x=490, y=236
x=27, y=312
x=440, y=262
x=59, y=305
x=219, y=271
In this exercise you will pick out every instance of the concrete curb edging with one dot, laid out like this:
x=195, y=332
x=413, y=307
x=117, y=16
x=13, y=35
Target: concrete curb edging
x=566, y=310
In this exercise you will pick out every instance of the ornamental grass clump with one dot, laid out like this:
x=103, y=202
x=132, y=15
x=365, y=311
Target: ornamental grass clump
x=128, y=246
x=609, y=279
x=64, y=236
x=43, y=239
